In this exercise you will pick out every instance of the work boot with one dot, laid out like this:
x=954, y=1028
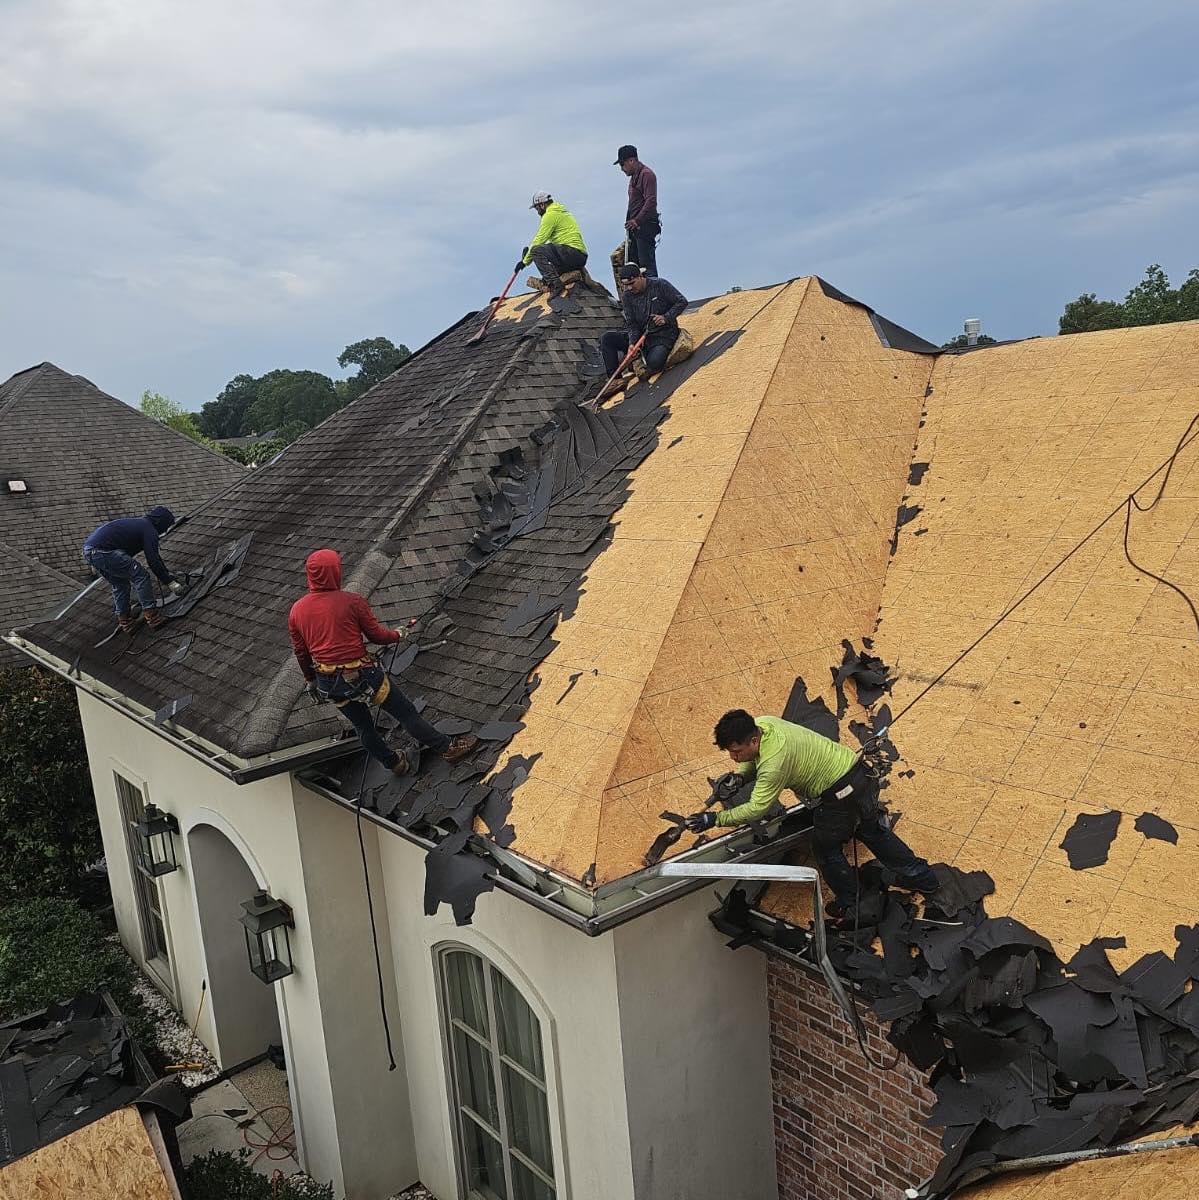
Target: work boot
x=126, y=622
x=153, y=618
x=610, y=389
x=571, y=277
x=401, y=764
x=537, y=283
x=459, y=747
x=927, y=884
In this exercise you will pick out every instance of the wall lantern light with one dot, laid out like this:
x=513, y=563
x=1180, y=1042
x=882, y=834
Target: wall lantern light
x=155, y=831
x=265, y=922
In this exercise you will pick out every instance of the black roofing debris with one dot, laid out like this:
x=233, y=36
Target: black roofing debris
x=1153, y=826
x=870, y=675
x=665, y=839
x=1089, y=839
x=812, y=713
x=916, y=473
x=66, y=1066
x=180, y=652
x=903, y=514
x=172, y=708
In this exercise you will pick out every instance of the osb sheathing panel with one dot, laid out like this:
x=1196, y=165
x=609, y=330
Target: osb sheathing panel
x=1148, y=1175
x=567, y=815
x=110, y=1159
x=1087, y=697
x=746, y=552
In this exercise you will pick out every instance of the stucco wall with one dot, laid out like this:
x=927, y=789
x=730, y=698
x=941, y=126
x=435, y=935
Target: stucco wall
x=260, y=819
x=570, y=982
x=696, y=1044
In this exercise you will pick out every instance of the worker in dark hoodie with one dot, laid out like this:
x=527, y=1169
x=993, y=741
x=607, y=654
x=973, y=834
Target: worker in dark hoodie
x=111, y=551
x=329, y=629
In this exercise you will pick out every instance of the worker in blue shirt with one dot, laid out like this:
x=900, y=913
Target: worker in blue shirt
x=112, y=550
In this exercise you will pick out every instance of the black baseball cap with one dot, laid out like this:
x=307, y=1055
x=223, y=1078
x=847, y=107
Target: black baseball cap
x=625, y=152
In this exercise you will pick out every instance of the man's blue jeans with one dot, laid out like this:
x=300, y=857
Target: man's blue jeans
x=120, y=570
x=351, y=697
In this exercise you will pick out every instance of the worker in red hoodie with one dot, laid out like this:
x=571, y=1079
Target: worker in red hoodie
x=328, y=629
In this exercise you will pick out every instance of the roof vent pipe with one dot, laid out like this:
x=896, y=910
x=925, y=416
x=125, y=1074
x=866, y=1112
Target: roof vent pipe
x=973, y=327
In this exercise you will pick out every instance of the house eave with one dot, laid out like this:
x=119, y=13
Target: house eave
x=239, y=770
x=595, y=912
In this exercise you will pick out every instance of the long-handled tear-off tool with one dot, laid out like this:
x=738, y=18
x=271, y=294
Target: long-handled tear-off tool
x=478, y=335
x=602, y=394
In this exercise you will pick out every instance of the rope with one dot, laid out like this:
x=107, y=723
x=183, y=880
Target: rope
x=1126, y=506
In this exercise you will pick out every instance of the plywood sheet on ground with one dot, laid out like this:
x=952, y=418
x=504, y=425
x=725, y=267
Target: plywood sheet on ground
x=110, y=1159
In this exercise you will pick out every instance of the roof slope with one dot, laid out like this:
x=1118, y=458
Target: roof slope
x=85, y=458
x=1085, y=699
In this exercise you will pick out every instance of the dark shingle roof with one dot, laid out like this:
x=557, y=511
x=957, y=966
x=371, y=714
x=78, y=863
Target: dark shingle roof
x=85, y=458
x=392, y=482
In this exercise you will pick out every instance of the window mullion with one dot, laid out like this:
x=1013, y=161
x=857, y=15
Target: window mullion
x=493, y=1027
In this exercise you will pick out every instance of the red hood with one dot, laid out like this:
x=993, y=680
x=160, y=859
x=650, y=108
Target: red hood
x=324, y=571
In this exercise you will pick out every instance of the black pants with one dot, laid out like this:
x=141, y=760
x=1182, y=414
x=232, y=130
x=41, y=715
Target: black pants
x=642, y=250
x=859, y=815
x=551, y=259
x=614, y=345
x=351, y=696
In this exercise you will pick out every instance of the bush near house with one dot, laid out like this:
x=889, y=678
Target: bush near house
x=219, y=1175
x=49, y=833
x=50, y=949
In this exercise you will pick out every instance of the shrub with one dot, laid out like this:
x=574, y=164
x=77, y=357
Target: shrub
x=219, y=1175
x=49, y=833
x=50, y=949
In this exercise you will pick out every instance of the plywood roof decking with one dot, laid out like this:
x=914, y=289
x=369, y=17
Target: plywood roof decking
x=112, y=1158
x=1146, y=1175
x=1086, y=698
x=744, y=554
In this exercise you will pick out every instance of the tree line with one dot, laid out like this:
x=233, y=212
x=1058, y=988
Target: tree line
x=282, y=402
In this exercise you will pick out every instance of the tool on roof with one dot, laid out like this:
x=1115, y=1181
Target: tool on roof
x=478, y=335
x=603, y=393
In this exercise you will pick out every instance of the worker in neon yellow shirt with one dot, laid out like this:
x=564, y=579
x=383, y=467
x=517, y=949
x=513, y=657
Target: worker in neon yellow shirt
x=557, y=246
x=832, y=781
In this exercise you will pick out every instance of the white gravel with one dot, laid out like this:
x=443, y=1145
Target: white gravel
x=415, y=1192
x=173, y=1036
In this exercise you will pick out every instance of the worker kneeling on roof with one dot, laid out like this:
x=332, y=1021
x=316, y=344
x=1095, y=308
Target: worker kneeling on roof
x=329, y=629
x=111, y=551
x=557, y=248
x=651, y=309
x=832, y=781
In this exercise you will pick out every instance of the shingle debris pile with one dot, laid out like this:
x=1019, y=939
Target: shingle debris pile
x=61, y=1069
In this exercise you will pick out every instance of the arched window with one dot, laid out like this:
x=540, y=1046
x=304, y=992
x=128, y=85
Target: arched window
x=498, y=1070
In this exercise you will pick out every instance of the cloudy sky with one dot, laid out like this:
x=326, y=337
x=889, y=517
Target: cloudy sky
x=193, y=190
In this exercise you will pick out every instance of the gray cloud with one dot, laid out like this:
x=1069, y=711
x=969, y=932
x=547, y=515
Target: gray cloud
x=190, y=191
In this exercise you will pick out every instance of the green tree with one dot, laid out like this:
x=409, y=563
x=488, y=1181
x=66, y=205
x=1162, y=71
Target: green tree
x=289, y=396
x=375, y=358
x=49, y=833
x=225, y=416
x=961, y=342
x=165, y=411
x=1151, y=302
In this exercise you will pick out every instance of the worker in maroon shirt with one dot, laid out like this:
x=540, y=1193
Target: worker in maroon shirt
x=329, y=629
x=642, y=221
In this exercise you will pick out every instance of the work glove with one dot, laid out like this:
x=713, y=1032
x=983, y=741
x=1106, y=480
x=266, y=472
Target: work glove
x=520, y=266
x=700, y=822
x=177, y=586
x=313, y=692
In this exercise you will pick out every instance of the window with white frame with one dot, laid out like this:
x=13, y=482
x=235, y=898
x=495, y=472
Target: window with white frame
x=145, y=888
x=499, y=1087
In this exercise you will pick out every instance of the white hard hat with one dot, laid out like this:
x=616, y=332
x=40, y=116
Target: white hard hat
x=540, y=198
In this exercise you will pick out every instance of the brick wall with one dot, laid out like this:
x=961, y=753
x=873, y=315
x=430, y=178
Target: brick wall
x=843, y=1130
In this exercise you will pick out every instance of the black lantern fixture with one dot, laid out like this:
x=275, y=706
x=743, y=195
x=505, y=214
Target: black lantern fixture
x=155, y=842
x=265, y=922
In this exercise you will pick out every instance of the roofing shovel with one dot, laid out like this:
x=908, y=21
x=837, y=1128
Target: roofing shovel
x=602, y=394
x=478, y=335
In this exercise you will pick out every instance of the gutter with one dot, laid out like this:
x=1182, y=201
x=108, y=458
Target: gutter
x=612, y=905
x=239, y=770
